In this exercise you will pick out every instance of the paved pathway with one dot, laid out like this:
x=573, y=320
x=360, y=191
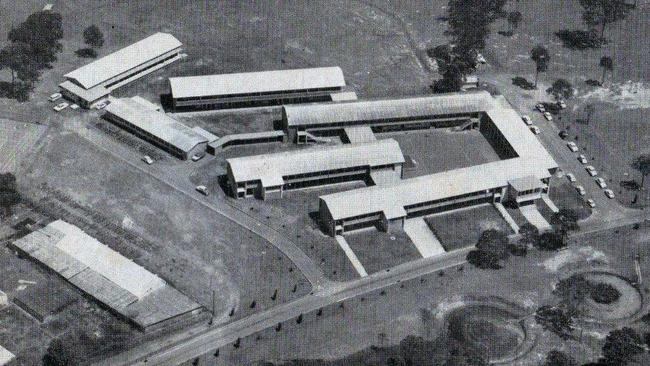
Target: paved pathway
x=356, y=263
x=423, y=238
x=533, y=216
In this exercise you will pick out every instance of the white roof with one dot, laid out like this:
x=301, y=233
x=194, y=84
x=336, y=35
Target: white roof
x=156, y=123
x=5, y=356
x=123, y=60
x=105, y=261
x=272, y=167
x=394, y=198
x=383, y=109
x=256, y=82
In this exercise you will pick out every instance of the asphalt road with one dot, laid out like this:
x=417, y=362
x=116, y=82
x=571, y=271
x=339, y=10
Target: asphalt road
x=198, y=343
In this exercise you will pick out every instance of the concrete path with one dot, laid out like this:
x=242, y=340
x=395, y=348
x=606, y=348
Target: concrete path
x=423, y=238
x=533, y=216
x=549, y=203
x=351, y=256
x=506, y=216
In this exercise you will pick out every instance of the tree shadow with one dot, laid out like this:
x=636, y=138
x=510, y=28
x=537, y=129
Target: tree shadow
x=506, y=33
x=86, y=53
x=5, y=89
x=592, y=82
x=523, y=83
x=630, y=185
x=579, y=39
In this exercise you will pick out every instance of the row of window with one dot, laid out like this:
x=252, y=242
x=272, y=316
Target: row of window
x=258, y=94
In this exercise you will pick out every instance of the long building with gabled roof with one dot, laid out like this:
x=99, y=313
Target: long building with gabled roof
x=271, y=174
x=93, y=82
x=253, y=89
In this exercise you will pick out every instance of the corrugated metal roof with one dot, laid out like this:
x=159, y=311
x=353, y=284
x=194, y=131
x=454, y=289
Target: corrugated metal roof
x=156, y=123
x=384, y=109
x=271, y=166
x=256, y=82
x=123, y=60
x=393, y=198
x=89, y=95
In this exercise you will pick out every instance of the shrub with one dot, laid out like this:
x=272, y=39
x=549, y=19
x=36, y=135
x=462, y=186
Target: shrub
x=483, y=260
x=86, y=53
x=579, y=39
x=604, y=293
x=518, y=249
x=550, y=241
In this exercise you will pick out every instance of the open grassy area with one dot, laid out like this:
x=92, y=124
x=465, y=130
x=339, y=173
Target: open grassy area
x=378, y=250
x=438, y=150
x=462, y=228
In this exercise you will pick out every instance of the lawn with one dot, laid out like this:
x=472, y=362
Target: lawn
x=462, y=228
x=378, y=250
x=439, y=150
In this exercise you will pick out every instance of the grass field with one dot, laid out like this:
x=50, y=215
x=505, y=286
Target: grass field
x=378, y=250
x=439, y=150
x=462, y=228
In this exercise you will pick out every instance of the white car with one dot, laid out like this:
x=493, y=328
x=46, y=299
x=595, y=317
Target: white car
x=147, y=159
x=198, y=156
x=540, y=107
x=526, y=120
x=535, y=130
x=581, y=190
x=571, y=177
x=54, y=97
x=480, y=59
x=74, y=106
x=61, y=106
x=101, y=105
x=572, y=146
x=601, y=183
x=591, y=170
x=591, y=203
x=609, y=193
x=548, y=116
x=203, y=190
x=561, y=104
x=582, y=159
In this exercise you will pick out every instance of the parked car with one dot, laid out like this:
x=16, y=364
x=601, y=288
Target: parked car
x=147, y=159
x=54, y=97
x=548, y=116
x=591, y=203
x=601, y=183
x=581, y=190
x=198, y=156
x=563, y=134
x=74, y=106
x=526, y=120
x=203, y=190
x=571, y=177
x=591, y=170
x=480, y=59
x=561, y=104
x=582, y=159
x=609, y=193
x=101, y=105
x=540, y=107
x=61, y=106
x=572, y=146
x=535, y=130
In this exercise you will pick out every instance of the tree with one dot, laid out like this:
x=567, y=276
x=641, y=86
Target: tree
x=452, y=79
x=529, y=233
x=9, y=195
x=514, y=18
x=62, y=353
x=539, y=54
x=42, y=31
x=622, y=346
x=555, y=320
x=604, y=293
x=551, y=241
x=642, y=165
x=573, y=291
x=558, y=358
x=608, y=65
x=495, y=242
x=561, y=89
x=18, y=58
x=93, y=36
x=603, y=12
x=565, y=220
x=483, y=260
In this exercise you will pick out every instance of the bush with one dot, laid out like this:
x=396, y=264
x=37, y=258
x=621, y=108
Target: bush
x=519, y=249
x=558, y=358
x=86, y=53
x=483, y=260
x=550, y=241
x=555, y=320
x=579, y=39
x=604, y=293
x=523, y=83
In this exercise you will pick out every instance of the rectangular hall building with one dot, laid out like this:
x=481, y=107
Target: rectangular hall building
x=256, y=89
x=267, y=175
